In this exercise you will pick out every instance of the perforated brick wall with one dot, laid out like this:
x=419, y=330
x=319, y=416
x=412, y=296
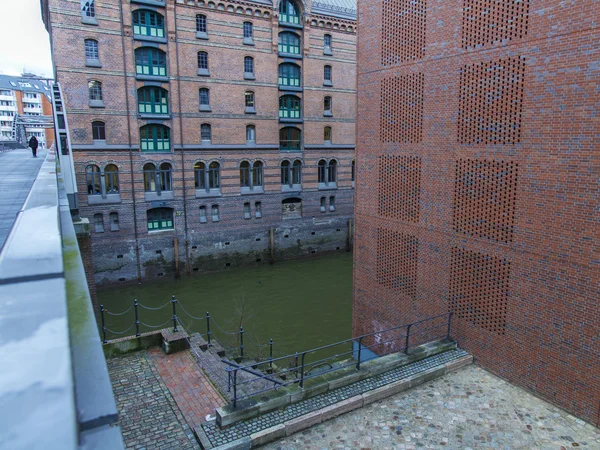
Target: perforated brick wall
x=402, y=108
x=487, y=22
x=478, y=290
x=399, y=187
x=404, y=29
x=397, y=256
x=491, y=102
x=485, y=197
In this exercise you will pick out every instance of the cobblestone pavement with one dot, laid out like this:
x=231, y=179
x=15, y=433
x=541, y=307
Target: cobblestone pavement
x=192, y=392
x=148, y=414
x=468, y=409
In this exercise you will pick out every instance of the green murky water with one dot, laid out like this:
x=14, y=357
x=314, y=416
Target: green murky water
x=300, y=304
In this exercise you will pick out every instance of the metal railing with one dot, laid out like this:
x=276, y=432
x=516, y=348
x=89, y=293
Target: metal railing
x=304, y=366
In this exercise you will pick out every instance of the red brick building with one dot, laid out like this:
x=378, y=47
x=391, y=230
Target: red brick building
x=208, y=134
x=477, y=185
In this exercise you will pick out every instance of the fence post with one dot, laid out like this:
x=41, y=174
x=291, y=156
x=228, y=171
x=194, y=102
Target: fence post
x=137, y=319
x=449, y=323
x=241, y=342
x=271, y=353
x=234, y=387
x=208, y=327
x=103, y=327
x=359, y=351
x=302, y=371
x=407, y=337
x=173, y=301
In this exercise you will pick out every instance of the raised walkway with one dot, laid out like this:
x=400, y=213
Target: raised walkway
x=18, y=171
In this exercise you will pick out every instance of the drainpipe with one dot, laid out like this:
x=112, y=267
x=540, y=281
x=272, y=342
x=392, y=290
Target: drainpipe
x=185, y=219
x=135, y=222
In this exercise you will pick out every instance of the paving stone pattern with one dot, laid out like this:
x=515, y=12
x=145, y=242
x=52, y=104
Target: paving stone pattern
x=148, y=414
x=192, y=392
x=18, y=171
x=220, y=437
x=464, y=410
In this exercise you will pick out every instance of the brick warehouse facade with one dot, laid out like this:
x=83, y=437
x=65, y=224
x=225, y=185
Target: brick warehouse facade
x=477, y=186
x=208, y=134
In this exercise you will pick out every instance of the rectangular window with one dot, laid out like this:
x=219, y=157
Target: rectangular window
x=114, y=221
x=248, y=30
x=99, y=223
x=327, y=73
x=215, y=213
x=204, y=97
x=258, y=210
x=332, y=203
x=160, y=219
x=246, y=210
x=248, y=65
x=91, y=49
x=323, y=204
x=203, y=214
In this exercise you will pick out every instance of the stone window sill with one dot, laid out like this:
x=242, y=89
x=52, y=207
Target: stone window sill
x=107, y=200
x=201, y=35
x=327, y=186
x=203, y=72
x=93, y=63
x=327, y=83
x=249, y=76
x=205, y=108
x=328, y=113
x=254, y=190
x=250, y=110
x=203, y=193
x=96, y=104
x=248, y=41
x=89, y=20
x=155, y=196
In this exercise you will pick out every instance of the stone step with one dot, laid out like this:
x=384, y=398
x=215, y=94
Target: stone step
x=306, y=413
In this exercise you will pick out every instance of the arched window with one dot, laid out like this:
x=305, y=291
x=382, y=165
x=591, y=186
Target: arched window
x=327, y=171
x=289, y=107
x=248, y=32
x=289, y=43
x=92, y=53
x=251, y=177
x=203, y=63
x=248, y=67
x=205, y=133
x=204, y=99
x=289, y=12
x=289, y=139
x=149, y=177
x=201, y=24
x=150, y=62
x=92, y=177
x=148, y=23
x=291, y=174
x=327, y=106
x=95, y=90
x=250, y=134
x=327, y=135
x=160, y=219
x=249, y=102
x=155, y=138
x=88, y=9
x=165, y=176
x=327, y=44
x=98, y=131
x=327, y=76
x=289, y=75
x=111, y=179
x=153, y=100
x=207, y=180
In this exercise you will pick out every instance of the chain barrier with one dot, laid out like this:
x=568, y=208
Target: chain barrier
x=119, y=332
x=118, y=314
x=155, y=309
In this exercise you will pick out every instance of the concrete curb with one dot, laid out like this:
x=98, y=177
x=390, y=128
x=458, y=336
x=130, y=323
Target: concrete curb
x=308, y=420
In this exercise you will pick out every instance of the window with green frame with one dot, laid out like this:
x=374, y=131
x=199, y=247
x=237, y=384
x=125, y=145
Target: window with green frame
x=289, y=138
x=289, y=43
x=153, y=100
x=150, y=61
x=289, y=107
x=289, y=75
x=154, y=138
x=148, y=23
x=289, y=12
x=160, y=219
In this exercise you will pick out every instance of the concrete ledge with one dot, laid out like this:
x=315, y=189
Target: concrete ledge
x=246, y=409
x=341, y=408
x=268, y=435
x=174, y=342
x=459, y=363
x=302, y=422
x=202, y=438
x=385, y=391
x=130, y=344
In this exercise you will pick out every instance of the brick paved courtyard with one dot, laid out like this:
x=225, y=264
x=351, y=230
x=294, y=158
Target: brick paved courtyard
x=468, y=409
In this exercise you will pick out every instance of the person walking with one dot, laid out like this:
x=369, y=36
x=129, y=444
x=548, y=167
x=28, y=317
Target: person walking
x=33, y=143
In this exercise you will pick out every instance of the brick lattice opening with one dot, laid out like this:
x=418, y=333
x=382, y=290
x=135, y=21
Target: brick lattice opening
x=487, y=22
x=397, y=257
x=485, y=194
x=491, y=102
x=400, y=187
x=479, y=289
x=404, y=24
x=402, y=108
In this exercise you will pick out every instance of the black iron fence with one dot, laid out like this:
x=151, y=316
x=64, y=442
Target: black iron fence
x=299, y=367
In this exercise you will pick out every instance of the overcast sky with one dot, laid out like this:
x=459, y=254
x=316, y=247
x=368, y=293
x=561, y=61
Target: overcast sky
x=24, y=43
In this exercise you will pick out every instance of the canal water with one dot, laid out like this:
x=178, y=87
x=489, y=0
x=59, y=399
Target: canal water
x=299, y=304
